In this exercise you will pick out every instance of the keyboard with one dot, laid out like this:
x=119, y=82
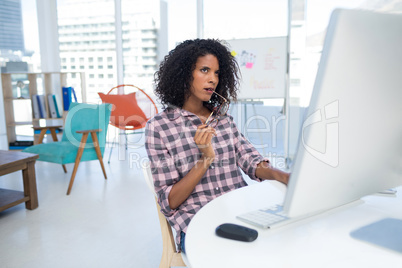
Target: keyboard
x=274, y=216
x=266, y=218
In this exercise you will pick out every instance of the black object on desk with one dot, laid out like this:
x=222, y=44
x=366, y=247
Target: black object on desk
x=236, y=232
x=385, y=233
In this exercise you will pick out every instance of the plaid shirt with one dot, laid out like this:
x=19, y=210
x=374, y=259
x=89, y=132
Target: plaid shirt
x=173, y=153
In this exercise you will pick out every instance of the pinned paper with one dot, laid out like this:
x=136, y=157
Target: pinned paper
x=249, y=65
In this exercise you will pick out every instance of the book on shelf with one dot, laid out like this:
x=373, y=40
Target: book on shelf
x=42, y=106
x=68, y=94
x=52, y=106
x=19, y=145
x=35, y=106
x=57, y=105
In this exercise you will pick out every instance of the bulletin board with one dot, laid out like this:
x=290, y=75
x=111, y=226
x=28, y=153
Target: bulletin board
x=263, y=66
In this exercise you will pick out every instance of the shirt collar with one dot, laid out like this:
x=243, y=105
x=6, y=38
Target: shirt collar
x=174, y=112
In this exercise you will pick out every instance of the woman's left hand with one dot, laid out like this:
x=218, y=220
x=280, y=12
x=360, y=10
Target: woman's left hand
x=266, y=171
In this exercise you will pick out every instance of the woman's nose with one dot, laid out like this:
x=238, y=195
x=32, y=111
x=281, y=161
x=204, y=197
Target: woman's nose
x=213, y=79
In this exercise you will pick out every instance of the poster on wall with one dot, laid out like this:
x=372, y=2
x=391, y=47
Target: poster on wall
x=262, y=63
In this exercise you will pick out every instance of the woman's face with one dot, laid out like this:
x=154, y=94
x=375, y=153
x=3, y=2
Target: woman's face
x=205, y=77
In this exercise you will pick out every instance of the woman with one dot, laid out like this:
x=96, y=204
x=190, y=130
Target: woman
x=194, y=147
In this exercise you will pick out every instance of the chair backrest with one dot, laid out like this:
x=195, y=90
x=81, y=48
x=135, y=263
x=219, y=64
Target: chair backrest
x=132, y=110
x=84, y=116
x=170, y=257
x=146, y=169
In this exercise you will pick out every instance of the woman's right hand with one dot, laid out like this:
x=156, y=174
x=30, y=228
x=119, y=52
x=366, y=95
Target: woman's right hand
x=202, y=138
x=182, y=189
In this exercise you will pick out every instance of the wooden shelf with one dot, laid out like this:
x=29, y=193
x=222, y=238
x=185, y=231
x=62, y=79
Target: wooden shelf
x=50, y=82
x=11, y=99
x=47, y=118
x=10, y=198
x=14, y=124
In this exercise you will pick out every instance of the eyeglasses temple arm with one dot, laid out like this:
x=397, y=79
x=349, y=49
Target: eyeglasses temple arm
x=207, y=121
x=221, y=96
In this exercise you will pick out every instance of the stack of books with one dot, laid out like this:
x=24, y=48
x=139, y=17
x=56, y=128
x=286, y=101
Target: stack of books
x=19, y=145
x=39, y=106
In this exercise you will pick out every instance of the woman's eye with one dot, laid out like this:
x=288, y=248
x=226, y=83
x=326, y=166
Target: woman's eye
x=204, y=70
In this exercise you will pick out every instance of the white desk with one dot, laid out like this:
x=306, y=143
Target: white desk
x=322, y=241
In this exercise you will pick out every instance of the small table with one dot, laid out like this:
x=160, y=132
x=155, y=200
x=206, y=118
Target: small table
x=13, y=161
x=43, y=130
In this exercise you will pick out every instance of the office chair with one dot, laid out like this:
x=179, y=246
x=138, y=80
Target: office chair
x=130, y=111
x=170, y=258
x=84, y=138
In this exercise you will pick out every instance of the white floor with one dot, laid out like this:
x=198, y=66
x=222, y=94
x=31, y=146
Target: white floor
x=102, y=223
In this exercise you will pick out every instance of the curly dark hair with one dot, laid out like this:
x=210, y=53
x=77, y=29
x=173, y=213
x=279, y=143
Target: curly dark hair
x=175, y=75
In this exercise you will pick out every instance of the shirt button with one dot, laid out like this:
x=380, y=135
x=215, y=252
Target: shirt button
x=212, y=166
x=217, y=188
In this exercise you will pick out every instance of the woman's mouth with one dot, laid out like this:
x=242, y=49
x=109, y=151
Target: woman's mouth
x=209, y=90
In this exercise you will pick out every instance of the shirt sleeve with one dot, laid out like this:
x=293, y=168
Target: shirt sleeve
x=162, y=164
x=247, y=156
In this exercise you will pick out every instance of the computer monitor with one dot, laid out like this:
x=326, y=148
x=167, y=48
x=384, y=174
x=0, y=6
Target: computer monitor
x=351, y=139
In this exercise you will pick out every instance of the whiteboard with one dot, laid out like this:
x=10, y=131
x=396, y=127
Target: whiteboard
x=262, y=63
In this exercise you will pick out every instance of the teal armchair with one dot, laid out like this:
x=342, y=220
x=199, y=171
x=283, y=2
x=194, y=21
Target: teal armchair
x=84, y=138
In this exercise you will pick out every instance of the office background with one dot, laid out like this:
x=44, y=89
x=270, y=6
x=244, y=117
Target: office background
x=102, y=224
x=84, y=39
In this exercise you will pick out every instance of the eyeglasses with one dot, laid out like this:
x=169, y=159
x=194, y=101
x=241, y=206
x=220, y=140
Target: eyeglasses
x=217, y=111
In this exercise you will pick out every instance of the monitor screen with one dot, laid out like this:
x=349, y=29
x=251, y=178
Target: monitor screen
x=351, y=139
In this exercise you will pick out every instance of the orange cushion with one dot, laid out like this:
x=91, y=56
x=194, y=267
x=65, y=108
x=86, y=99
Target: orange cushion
x=125, y=111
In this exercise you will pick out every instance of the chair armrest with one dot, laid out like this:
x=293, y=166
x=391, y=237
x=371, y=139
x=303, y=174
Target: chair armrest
x=89, y=131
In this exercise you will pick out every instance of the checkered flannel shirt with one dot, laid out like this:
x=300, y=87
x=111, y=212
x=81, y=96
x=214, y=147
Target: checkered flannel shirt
x=173, y=153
